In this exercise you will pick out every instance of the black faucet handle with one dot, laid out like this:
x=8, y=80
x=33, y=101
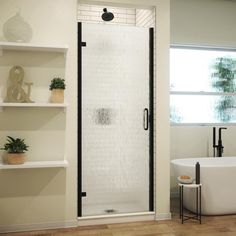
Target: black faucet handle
x=222, y=128
x=214, y=137
x=220, y=131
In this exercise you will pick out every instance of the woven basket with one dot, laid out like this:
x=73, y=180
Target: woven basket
x=15, y=158
x=57, y=96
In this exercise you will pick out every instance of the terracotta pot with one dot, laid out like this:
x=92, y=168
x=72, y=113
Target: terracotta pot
x=57, y=96
x=15, y=158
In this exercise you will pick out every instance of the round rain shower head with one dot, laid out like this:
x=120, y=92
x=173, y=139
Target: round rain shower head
x=107, y=16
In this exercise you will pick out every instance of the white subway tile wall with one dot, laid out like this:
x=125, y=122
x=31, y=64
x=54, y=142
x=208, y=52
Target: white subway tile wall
x=92, y=14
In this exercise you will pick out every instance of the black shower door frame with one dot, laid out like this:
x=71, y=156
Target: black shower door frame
x=81, y=194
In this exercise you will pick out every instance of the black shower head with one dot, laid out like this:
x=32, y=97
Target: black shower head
x=107, y=16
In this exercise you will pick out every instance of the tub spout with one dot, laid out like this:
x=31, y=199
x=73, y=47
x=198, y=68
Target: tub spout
x=219, y=147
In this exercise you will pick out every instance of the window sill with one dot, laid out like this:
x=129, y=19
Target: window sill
x=202, y=124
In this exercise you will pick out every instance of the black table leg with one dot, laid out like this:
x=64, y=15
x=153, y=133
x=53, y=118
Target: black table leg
x=200, y=203
x=182, y=203
x=197, y=202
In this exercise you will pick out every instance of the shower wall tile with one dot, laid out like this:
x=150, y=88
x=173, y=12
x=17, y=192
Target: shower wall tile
x=84, y=7
x=118, y=10
x=125, y=16
x=93, y=8
x=121, y=20
x=145, y=17
x=131, y=21
x=84, y=18
x=92, y=14
x=130, y=11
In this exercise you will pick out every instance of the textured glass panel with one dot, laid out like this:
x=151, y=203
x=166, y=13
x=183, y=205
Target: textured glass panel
x=202, y=70
x=202, y=109
x=115, y=146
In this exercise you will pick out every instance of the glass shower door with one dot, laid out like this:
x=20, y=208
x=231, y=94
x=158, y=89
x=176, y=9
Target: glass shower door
x=115, y=119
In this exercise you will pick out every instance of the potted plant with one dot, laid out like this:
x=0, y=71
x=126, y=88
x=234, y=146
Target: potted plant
x=15, y=148
x=57, y=87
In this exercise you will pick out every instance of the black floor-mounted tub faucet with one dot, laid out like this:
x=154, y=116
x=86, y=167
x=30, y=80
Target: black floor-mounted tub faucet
x=219, y=148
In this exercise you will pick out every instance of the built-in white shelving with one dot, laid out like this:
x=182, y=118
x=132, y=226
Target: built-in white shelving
x=36, y=164
x=32, y=47
x=21, y=48
x=50, y=105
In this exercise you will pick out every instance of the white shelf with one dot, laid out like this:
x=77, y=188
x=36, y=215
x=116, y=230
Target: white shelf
x=52, y=105
x=32, y=47
x=36, y=164
x=8, y=47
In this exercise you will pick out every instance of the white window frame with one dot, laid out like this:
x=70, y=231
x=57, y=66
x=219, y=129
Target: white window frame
x=201, y=93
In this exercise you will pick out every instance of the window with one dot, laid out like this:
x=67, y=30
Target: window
x=202, y=85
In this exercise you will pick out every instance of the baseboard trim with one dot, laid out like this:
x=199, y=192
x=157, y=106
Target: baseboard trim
x=112, y=219
x=86, y=221
x=38, y=226
x=163, y=216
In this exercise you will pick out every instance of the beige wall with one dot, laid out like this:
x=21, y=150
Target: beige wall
x=206, y=22
x=34, y=197
x=39, y=196
x=202, y=22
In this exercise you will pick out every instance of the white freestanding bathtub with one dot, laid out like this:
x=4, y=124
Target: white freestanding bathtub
x=218, y=178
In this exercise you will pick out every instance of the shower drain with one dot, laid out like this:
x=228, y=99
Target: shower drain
x=109, y=211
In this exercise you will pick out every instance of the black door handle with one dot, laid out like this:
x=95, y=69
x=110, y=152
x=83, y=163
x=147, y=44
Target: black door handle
x=145, y=119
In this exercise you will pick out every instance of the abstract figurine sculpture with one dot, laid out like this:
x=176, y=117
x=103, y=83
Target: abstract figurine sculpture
x=15, y=92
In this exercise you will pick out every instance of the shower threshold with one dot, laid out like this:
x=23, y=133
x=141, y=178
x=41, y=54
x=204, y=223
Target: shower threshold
x=112, y=208
x=116, y=218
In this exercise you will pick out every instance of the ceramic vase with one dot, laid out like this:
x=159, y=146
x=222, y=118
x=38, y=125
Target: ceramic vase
x=16, y=29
